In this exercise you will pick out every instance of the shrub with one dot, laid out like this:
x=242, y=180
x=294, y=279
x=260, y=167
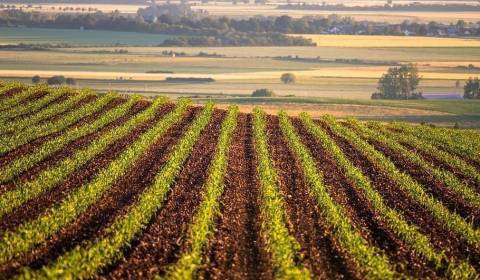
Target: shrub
x=263, y=92
x=36, y=79
x=56, y=80
x=288, y=78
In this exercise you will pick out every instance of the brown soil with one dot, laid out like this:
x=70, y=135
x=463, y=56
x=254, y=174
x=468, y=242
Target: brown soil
x=321, y=252
x=237, y=250
x=166, y=237
x=440, y=237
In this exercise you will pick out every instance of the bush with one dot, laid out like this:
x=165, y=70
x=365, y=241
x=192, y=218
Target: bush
x=288, y=78
x=263, y=92
x=56, y=80
x=71, y=81
x=36, y=79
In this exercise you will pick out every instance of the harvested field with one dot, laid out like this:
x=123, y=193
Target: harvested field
x=137, y=189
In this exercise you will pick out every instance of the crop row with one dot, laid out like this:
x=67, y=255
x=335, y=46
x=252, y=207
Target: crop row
x=408, y=233
x=281, y=245
x=84, y=262
x=54, y=109
x=16, y=242
x=370, y=260
x=34, y=106
x=424, y=146
x=446, y=177
x=50, y=177
x=466, y=147
x=25, y=162
x=451, y=221
x=9, y=143
x=11, y=101
x=204, y=220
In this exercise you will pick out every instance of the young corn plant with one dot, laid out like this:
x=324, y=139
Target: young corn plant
x=11, y=142
x=209, y=209
x=20, y=124
x=449, y=220
x=282, y=246
x=446, y=177
x=53, y=175
x=21, y=164
x=84, y=261
x=10, y=101
x=18, y=241
x=407, y=232
x=370, y=260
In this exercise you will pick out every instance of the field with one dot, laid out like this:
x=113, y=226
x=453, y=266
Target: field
x=113, y=187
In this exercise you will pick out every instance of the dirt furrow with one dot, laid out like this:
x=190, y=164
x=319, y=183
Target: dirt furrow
x=165, y=238
x=237, y=250
x=30, y=146
x=396, y=198
x=59, y=100
x=321, y=253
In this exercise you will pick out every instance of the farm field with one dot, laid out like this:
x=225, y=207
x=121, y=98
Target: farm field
x=107, y=186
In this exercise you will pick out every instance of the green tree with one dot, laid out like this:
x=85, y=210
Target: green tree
x=36, y=79
x=71, y=81
x=471, y=90
x=399, y=83
x=263, y=92
x=56, y=80
x=288, y=78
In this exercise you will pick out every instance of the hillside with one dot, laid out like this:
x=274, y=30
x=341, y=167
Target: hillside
x=113, y=187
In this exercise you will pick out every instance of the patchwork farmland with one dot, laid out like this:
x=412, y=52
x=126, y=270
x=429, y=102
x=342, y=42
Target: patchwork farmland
x=109, y=187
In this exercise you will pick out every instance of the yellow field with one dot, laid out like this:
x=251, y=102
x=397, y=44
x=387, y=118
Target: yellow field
x=388, y=41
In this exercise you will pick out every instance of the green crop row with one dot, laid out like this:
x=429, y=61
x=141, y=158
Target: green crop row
x=11, y=142
x=282, y=246
x=19, y=165
x=8, y=103
x=431, y=150
x=84, y=262
x=446, y=177
x=33, y=106
x=53, y=109
x=209, y=209
x=442, y=138
x=451, y=221
x=53, y=175
x=371, y=261
x=407, y=232
x=18, y=241
x=7, y=88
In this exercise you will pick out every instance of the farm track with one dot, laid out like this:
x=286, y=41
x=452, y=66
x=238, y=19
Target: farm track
x=115, y=202
x=441, y=238
x=33, y=207
x=237, y=250
x=165, y=238
x=360, y=211
x=432, y=185
x=322, y=255
x=30, y=146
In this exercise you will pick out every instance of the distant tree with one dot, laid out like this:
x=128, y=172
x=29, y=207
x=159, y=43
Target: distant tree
x=288, y=78
x=399, y=83
x=471, y=90
x=36, y=79
x=71, y=81
x=263, y=92
x=56, y=80
x=457, y=83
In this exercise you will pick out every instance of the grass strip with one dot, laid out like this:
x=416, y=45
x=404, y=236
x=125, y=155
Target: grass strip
x=408, y=233
x=209, y=209
x=11, y=142
x=16, y=242
x=448, y=219
x=282, y=246
x=84, y=261
x=54, y=109
x=34, y=106
x=17, y=166
x=446, y=177
x=50, y=177
x=370, y=260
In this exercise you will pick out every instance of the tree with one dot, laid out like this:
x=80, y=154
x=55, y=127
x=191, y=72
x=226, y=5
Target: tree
x=288, y=78
x=471, y=90
x=36, y=79
x=56, y=80
x=399, y=83
x=71, y=81
x=263, y=92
